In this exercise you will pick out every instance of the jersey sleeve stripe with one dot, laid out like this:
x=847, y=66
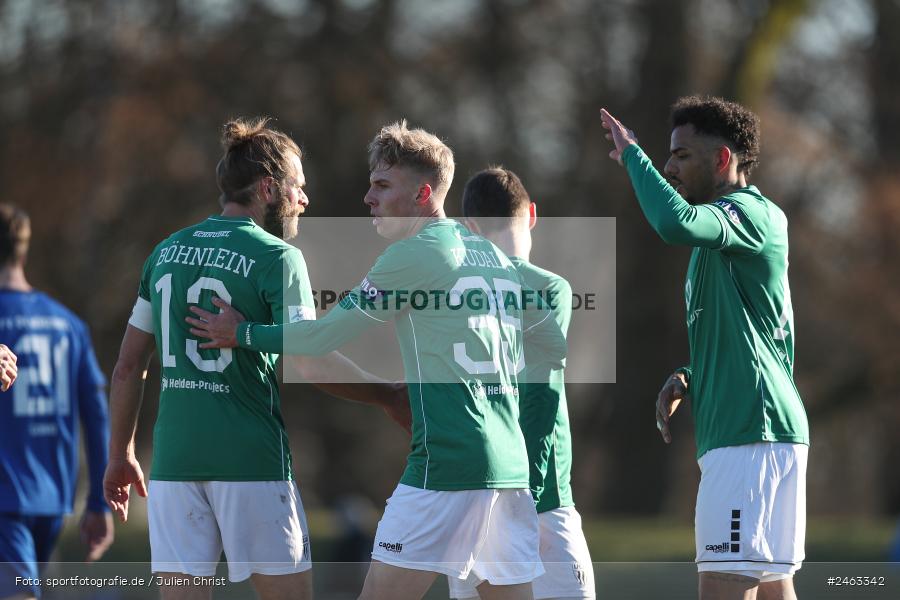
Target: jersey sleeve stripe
x=352, y=299
x=547, y=316
x=421, y=400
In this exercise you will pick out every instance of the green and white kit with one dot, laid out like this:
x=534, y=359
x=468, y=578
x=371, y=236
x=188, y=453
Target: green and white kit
x=750, y=424
x=461, y=348
x=219, y=410
x=739, y=316
x=544, y=417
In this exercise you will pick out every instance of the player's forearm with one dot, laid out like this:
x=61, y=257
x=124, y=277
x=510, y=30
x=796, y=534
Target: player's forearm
x=338, y=376
x=676, y=221
x=311, y=338
x=303, y=338
x=125, y=397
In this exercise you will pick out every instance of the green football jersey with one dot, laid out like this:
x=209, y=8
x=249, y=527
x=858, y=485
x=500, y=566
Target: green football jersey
x=219, y=410
x=460, y=341
x=739, y=315
x=543, y=415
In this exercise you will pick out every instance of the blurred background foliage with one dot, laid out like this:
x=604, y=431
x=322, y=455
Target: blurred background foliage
x=110, y=112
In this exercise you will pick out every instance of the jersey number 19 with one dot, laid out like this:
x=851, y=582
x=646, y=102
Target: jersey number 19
x=164, y=287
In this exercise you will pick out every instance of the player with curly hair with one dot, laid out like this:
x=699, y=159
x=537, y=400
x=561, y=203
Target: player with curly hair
x=750, y=425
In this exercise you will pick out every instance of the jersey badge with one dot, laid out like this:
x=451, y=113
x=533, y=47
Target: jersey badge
x=301, y=313
x=369, y=289
x=730, y=210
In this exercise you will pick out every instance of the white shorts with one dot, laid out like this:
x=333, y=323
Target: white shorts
x=751, y=510
x=569, y=572
x=260, y=525
x=491, y=533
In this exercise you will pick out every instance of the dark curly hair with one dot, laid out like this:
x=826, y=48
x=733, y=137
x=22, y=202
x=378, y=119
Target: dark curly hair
x=724, y=119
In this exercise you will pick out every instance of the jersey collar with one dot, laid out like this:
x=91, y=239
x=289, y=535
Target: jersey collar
x=231, y=219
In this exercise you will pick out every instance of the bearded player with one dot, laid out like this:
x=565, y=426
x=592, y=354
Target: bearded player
x=222, y=471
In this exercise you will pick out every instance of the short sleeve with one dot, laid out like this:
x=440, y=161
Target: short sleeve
x=286, y=289
x=146, y=275
x=142, y=312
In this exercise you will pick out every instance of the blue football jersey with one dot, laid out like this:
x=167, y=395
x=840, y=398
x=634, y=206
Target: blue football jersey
x=59, y=385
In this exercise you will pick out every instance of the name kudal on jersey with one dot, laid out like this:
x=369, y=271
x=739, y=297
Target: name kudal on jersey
x=218, y=258
x=469, y=257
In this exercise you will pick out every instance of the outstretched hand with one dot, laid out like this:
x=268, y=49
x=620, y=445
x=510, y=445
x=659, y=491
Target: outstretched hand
x=220, y=328
x=620, y=135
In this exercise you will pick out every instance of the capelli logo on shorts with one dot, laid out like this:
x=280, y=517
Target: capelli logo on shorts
x=398, y=547
x=579, y=573
x=722, y=548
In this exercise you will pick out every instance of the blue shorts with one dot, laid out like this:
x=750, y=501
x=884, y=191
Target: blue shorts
x=25, y=541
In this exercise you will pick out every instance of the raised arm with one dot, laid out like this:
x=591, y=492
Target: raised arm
x=676, y=221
